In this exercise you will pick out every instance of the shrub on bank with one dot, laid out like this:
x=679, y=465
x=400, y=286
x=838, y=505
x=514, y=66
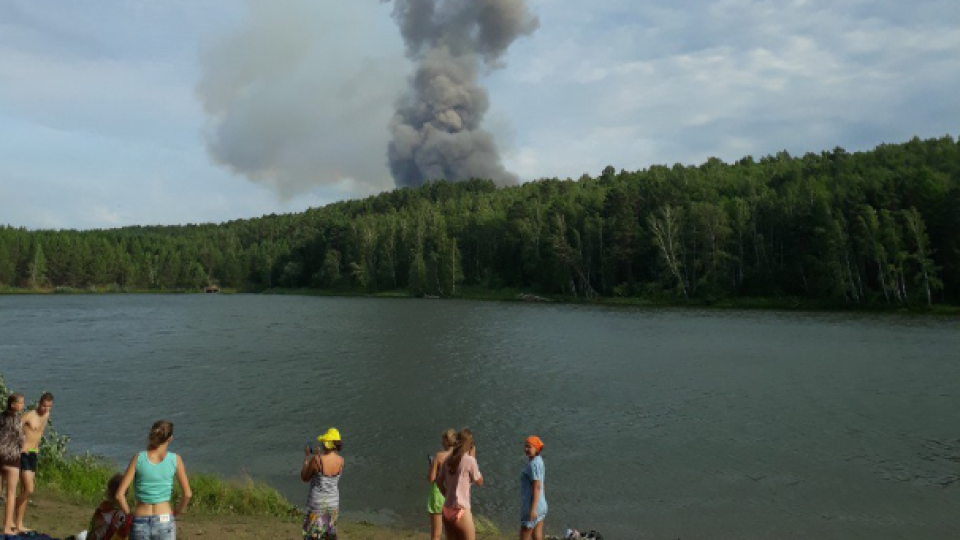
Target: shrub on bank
x=246, y=497
x=81, y=478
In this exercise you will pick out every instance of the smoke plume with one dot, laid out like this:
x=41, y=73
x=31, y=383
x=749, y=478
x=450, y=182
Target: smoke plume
x=298, y=95
x=437, y=130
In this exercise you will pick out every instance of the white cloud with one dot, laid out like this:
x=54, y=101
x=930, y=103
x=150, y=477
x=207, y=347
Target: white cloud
x=662, y=82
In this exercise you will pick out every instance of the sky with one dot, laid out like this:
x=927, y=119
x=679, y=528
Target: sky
x=143, y=112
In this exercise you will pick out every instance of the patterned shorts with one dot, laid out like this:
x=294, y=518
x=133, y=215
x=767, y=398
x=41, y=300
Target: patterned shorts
x=320, y=526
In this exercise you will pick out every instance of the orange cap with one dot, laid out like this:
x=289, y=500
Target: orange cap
x=535, y=442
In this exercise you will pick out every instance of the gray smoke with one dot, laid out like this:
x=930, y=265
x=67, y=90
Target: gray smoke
x=437, y=131
x=297, y=96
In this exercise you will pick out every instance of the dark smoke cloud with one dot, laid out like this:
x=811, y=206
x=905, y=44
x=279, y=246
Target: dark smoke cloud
x=437, y=130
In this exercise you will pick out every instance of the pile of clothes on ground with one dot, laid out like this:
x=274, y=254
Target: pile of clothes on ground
x=32, y=535
x=573, y=534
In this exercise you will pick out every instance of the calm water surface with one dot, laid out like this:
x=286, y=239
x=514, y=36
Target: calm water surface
x=658, y=424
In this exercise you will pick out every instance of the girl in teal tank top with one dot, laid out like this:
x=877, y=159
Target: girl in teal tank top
x=151, y=474
x=153, y=482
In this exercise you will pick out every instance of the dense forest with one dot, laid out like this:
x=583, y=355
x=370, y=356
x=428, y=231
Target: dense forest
x=871, y=228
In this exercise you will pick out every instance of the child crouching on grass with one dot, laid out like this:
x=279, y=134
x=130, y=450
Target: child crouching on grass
x=109, y=522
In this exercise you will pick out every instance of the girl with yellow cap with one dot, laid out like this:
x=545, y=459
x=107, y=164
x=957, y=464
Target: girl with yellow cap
x=322, y=470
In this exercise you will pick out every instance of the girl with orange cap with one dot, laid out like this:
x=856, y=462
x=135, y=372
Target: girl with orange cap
x=533, y=501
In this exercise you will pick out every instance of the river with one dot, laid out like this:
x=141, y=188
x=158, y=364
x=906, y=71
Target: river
x=666, y=423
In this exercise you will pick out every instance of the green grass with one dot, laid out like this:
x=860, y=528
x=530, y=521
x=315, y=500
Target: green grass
x=212, y=494
x=485, y=526
x=83, y=479
x=18, y=290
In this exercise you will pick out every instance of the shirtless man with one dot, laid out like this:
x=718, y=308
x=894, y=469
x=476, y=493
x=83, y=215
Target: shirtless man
x=34, y=424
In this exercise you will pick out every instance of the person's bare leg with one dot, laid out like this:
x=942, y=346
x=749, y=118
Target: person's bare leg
x=27, y=485
x=467, y=529
x=436, y=526
x=525, y=533
x=449, y=530
x=11, y=475
x=538, y=530
x=455, y=531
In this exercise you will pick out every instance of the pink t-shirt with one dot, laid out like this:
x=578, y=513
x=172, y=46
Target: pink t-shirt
x=457, y=485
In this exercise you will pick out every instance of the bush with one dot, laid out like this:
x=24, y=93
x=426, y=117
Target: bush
x=213, y=494
x=81, y=478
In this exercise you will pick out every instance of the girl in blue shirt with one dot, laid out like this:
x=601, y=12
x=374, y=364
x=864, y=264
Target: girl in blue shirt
x=533, y=501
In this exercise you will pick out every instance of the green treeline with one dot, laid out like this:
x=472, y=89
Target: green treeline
x=872, y=228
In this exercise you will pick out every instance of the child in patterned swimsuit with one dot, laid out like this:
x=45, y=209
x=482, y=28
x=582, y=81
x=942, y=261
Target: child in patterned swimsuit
x=11, y=445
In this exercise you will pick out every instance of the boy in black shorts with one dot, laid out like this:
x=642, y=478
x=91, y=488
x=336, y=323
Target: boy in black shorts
x=34, y=424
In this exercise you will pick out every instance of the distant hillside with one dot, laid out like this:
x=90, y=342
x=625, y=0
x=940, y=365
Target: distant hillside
x=870, y=228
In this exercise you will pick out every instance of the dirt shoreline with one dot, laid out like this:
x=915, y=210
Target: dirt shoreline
x=59, y=518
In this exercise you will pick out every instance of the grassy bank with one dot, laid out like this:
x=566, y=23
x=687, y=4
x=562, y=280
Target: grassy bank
x=70, y=488
x=59, y=517
x=81, y=479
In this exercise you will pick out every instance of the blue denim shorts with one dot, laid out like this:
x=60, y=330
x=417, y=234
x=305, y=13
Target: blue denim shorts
x=161, y=527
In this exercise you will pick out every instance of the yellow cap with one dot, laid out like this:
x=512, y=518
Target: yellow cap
x=329, y=438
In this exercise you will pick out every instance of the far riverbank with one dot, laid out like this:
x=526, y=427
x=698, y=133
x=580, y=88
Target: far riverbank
x=794, y=304
x=726, y=304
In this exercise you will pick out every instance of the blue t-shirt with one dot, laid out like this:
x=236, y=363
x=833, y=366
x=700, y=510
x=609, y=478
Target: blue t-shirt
x=533, y=471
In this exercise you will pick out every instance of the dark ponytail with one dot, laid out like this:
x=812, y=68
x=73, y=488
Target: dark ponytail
x=463, y=447
x=160, y=433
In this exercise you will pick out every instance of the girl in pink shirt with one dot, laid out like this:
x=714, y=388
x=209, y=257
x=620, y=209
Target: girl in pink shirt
x=457, y=474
